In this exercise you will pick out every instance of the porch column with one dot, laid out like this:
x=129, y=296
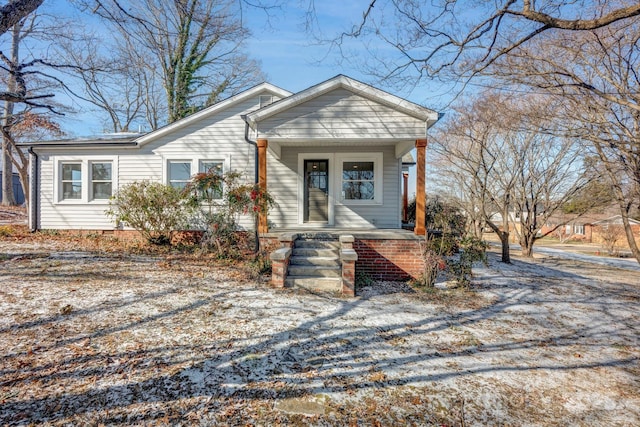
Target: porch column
x=262, y=180
x=405, y=196
x=421, y=197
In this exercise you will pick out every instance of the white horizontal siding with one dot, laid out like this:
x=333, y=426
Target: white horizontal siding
x=282, y=179
x=282, y=182
x=342, y=114
x=386, y=215
x=217, y=137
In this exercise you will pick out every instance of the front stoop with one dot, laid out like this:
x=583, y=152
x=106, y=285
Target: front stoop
x=315, y=264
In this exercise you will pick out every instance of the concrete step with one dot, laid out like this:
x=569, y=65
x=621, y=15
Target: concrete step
x=317, y=244
x=312, y=252
x=314, y=271
x=315, y=260
x=323, y=284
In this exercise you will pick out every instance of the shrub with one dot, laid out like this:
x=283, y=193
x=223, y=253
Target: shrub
x=6, y=231
x=440, y=215
x=222, y=199
x=460, y=268
x=260, y=265
x=434, y=262
x=154, y=209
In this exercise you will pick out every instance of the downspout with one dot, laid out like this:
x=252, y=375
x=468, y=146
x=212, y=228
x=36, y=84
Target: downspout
x=255, y=145
x=256, y=235
x=33, y=190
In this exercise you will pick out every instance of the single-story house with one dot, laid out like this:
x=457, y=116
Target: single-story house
x=331, y=155
x=591, y=227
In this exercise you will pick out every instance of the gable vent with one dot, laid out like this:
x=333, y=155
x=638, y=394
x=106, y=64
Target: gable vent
x=266, y=100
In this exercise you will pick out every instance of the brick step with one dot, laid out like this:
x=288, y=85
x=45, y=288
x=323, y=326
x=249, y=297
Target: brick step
x=314, y=271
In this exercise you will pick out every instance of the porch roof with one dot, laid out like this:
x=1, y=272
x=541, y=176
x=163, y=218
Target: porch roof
x=341, y=81
x=342, y=112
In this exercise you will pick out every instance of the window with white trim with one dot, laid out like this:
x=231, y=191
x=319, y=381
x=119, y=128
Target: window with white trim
x=578, y=229
x=361, y=179
x=179, y=173
x=101, y=180
x=71, y=180
x=216, y=167
x=358, y=181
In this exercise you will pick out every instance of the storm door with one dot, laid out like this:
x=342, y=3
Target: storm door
x=316, y=190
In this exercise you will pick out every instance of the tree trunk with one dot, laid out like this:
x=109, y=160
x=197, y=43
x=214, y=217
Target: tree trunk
x=8, y=198
x=624, y=211
x=504, y=240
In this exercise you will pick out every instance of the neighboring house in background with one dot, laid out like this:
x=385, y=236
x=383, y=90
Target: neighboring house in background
x=589, y=228
x=17, y=188
x=570, y=227
x=331, y=155
x=602, y=230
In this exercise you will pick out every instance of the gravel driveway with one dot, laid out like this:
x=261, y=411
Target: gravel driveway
x=102, y=338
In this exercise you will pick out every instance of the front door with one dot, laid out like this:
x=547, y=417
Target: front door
x=316, y=191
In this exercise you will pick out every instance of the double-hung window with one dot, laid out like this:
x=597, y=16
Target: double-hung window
x=84, y=180
x=71, y=180
x=216, y=167
x=101, y=180
x=358, y=180
x=179, y=173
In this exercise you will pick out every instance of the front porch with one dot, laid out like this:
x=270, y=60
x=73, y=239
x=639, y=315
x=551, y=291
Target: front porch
x=336, y=258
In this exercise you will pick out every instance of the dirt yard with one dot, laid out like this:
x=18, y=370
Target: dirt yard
x=93, y=336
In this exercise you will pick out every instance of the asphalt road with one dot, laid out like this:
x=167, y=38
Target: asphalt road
x=624, y=263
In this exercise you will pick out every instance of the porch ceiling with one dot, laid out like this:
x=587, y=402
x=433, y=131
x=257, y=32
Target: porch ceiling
x=402, y=145
x=333, y=142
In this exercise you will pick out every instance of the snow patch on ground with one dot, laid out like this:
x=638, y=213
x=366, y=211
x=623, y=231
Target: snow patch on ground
x=118, y=340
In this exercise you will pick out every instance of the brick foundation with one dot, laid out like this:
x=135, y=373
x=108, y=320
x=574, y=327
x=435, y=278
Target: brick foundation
x=389, y=259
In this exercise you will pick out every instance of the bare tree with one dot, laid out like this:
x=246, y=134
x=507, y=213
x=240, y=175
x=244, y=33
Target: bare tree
x=8, y=197
x=518, y=173
x=14, y=11
x=27, y=126
x=595, y=77
x=611, y=234
x=409, y=40
x=23, y=71
x=467, y=147
x=10, y=15
x=194, y=44
x=115, y=84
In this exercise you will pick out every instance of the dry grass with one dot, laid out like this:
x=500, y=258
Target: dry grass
x=97, y=331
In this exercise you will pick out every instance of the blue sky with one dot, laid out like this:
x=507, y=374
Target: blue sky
x=288, y=54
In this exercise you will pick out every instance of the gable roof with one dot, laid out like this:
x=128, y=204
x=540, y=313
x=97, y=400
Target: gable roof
x=213, y=109
x=136, y=139
x=355, y=86
x=616, y=219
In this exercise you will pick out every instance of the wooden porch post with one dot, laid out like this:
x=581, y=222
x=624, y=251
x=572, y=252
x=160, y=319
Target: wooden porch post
x=405, y=196
x=421, y=196
x=262, y=180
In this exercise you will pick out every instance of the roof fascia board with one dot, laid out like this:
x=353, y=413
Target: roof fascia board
x=72, y=145
x=213, y=109
x=354, y=86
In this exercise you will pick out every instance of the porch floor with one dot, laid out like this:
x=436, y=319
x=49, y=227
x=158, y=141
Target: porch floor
x=358, y=233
